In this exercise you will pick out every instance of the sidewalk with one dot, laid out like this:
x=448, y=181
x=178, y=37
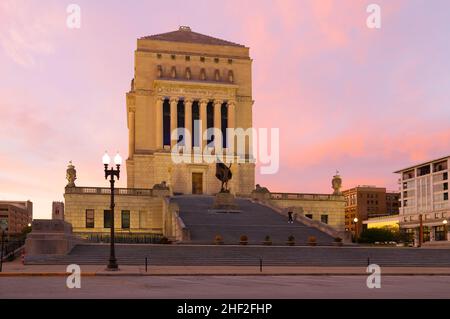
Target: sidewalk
x=12, y=269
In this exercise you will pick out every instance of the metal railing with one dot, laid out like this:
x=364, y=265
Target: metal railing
x=303, y=196
x=107, y=191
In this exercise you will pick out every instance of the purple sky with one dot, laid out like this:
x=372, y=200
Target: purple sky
x=363, y=101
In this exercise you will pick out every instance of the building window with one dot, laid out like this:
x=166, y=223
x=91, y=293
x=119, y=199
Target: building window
x=202, y=59
x=180, y=123
x=90, y=218
x=173, y=57
x=107, y=219
x=125, y=219
x=188, y=58
x=224, y=124
x=445, y=196
x=445, y=186
x=324, y=219
x=216, y=60
x=310, y=216
x=210, y=119
x=424, y=170
x=195, y=124
x=445, y=176
x=230, y=61
x=166, y=122
x=159, y=56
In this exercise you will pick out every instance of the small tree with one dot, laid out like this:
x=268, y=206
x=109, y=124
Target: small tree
x=384, y=234
x=243, y=240
x=267, y=240
x=291, y=240
x=312, y=240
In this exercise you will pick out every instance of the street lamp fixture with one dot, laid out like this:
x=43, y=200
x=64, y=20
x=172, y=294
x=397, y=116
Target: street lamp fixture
x=111, y=173
x=3, y=228
x=355, y=220
x=445, y=222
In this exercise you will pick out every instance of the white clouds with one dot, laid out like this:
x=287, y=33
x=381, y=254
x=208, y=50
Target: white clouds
x=26, y=31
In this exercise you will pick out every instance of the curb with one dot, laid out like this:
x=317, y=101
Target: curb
x=102, y=274
x=43, y=274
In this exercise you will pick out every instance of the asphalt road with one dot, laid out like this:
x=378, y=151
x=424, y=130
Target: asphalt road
x=271, y=287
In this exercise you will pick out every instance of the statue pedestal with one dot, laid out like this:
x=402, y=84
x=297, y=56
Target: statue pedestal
x=225, y=202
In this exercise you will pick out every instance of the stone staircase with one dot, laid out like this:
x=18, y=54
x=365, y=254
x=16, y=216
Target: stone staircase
x=209, y=255
x=254, y=220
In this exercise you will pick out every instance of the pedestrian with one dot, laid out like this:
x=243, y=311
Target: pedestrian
x=290, y=219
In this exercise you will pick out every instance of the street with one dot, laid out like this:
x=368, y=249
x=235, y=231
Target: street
x=271, y=287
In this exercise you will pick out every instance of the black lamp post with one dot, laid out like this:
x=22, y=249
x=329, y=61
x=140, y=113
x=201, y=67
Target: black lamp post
x=355, y=220
x=111, y=172
x=4, y=229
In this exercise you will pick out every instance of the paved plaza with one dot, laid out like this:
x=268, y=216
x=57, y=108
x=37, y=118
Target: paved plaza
x=227, y=287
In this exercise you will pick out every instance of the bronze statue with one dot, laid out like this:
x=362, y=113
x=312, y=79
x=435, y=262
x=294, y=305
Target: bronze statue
x=223, y=174
x=71, y=175
x=336, y=184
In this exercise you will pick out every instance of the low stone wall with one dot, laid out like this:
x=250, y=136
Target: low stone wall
x=50, y=237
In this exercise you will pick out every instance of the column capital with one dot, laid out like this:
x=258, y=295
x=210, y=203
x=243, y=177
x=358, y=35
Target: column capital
x=173, y=100
x=188, y=100
x=218, y=102
x=204, y=101
x=231, y=103
x=132, y=109
x=160, y=99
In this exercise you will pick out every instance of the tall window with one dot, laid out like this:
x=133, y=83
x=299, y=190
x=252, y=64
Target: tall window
x=107, y=219
x=125, y=219
x=224, y=124
x=210, y=119
x=90, y=218
x=180, y=121
x=195, y=130
x=166, y=122
x=324, y=219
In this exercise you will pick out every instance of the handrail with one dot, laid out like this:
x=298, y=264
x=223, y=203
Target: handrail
x=107, y=191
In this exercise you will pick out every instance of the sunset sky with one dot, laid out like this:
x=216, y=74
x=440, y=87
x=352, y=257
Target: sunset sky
x=362, y=101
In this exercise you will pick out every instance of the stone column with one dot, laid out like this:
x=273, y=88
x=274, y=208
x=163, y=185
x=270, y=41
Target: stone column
x=188, y=121
x=131, y=131
x=231, y=109
x=217, y=122
x=173, y=118
x=159, y=123
x=203, y=119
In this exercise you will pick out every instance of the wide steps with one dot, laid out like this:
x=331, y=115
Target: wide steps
x=176, y=255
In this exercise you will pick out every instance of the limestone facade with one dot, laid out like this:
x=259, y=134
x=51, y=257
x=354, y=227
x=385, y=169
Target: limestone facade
x=328, y=209
x=85, y=210
x=182, y=77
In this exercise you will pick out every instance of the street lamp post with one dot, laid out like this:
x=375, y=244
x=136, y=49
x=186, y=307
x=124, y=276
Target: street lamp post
x=3, y=229
x=355, y=220
x=111, y=172
x=445, y=222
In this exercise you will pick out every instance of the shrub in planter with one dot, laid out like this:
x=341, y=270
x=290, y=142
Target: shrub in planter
x=312, y=241
x=291, y=240
x=164, y=240
x=218, y=240
x=338, y=241
x=267, y=240
x=243, y=240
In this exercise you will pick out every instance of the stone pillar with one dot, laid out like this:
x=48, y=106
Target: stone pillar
x=231, y=109
x=173, y=118
x=203, y=119
x=159, y=123
x=217, y=123
x=131, y=131
x=188, y=121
